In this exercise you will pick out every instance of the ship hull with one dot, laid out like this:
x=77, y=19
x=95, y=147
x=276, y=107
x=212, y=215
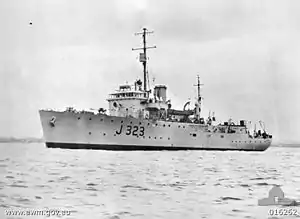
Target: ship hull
x=73, y=130
x=142, y=147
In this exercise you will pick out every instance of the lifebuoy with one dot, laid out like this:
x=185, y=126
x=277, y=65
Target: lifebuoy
x=115, y=104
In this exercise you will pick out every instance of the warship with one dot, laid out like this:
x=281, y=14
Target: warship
x=141, y=118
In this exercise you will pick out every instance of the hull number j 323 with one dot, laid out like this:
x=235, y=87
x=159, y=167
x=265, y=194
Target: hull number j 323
x=132, y=130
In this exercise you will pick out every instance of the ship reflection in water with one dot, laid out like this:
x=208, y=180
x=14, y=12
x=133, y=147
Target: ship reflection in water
x=146, y=184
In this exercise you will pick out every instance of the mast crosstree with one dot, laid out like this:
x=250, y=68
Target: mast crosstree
x=143, y=56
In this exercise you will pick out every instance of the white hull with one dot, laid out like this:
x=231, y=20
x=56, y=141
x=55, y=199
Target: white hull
x=100, y=131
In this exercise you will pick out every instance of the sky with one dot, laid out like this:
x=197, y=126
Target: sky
x=76, y=52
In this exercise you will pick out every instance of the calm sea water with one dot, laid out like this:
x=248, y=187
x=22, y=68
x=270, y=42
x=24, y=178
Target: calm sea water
x=113, y=185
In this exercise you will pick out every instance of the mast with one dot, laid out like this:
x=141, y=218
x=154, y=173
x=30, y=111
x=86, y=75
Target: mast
x=143, y=56
x=199, y=98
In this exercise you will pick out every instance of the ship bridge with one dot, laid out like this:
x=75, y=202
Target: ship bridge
x=128, y=100
x=127, y=92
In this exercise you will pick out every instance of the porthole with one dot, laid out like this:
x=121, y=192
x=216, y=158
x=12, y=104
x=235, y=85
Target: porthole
x=90, y=133
x=164, y=125
x=140, y=123
x=183, y=126
x=148, y=123
x=179, y=126
x=104, y=134
x=112, y=120
x=78, y=118
x=101, y=120
x=154, y=137
x=194, y=135
x=168, y=138
x=169, y=125
x=222, y=136
x=90, y=118
x=131, y=122
x=160, y=137
x=122, y=121
x=149, y=136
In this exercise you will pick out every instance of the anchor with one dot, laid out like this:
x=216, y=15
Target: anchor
x=52, y=121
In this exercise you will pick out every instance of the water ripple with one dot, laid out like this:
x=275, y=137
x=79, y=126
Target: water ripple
x=123, y=185
x=230, y=198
